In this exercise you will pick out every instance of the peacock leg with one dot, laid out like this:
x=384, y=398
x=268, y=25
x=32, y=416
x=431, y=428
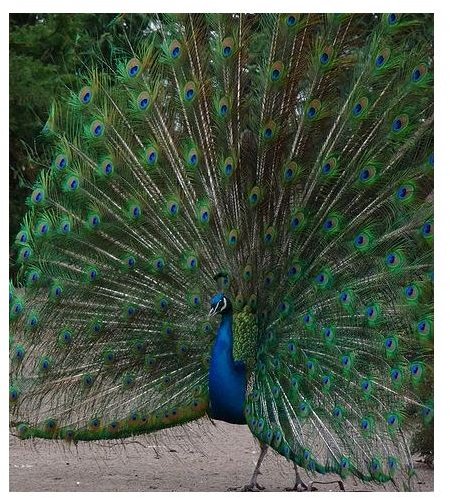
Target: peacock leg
x=253, y=484
x=298, y=481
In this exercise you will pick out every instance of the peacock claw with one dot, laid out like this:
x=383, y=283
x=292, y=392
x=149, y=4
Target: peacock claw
x=298, y=482
x=338, y=482
x=297, y=485
x=252, y=486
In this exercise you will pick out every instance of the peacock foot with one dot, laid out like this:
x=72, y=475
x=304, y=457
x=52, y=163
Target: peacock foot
x=299, y=486
x=338, y=482
x=253, y=486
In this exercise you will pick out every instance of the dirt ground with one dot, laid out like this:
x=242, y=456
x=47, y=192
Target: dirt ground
x=203, y=458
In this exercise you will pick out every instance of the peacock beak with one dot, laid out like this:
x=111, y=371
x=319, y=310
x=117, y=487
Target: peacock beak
x=214, y=309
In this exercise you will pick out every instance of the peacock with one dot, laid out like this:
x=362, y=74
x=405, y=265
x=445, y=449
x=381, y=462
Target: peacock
x=233, y=219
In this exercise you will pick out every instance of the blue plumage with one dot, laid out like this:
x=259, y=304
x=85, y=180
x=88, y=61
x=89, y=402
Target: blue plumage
x=227, y=377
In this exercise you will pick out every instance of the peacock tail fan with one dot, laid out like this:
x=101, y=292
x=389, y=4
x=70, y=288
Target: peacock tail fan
x=292, y=155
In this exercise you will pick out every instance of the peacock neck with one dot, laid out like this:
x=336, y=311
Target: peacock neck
x=227, y=378
x=225, y=335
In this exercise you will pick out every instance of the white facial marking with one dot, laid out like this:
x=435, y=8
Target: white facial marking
x=224, y=304
x=215, y=310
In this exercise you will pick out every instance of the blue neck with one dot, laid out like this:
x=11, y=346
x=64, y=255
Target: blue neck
x=227, y=378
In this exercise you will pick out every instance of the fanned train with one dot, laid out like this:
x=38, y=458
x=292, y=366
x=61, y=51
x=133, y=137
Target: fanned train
x=275, y=170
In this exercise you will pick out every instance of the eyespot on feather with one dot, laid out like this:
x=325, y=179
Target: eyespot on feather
x=360, y=107
x=326, y=56
x=290, y=173
x=298, y=220
x=291, y=20
x=228, y=166
x=223, y=107
x=227, y=47
x=233, y=238
x=276, y=71
x=189, y=92
x=38, y=196
x=399, y=124
x=392, y=19
x=133, y=67
x=269, y=131
x=93, y=221
x=419, y=73
x=143, y=101
x=329, y=167
x=255, y=196
x=382, y=58
x=175, y=51
x=97, y=129
x=192, y=158
x=172, y=207
x=151, y=155
x=61, y=162
x=106, y=167
x=85, y=95
x=332, y=224
x=313, y=109
x=427, y=230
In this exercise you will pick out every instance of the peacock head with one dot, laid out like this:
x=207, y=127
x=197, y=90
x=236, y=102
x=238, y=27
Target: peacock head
x=220, y=304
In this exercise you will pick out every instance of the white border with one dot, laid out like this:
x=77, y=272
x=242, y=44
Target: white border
x=442, y=207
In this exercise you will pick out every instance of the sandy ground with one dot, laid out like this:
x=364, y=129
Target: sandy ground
x=206, y=458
